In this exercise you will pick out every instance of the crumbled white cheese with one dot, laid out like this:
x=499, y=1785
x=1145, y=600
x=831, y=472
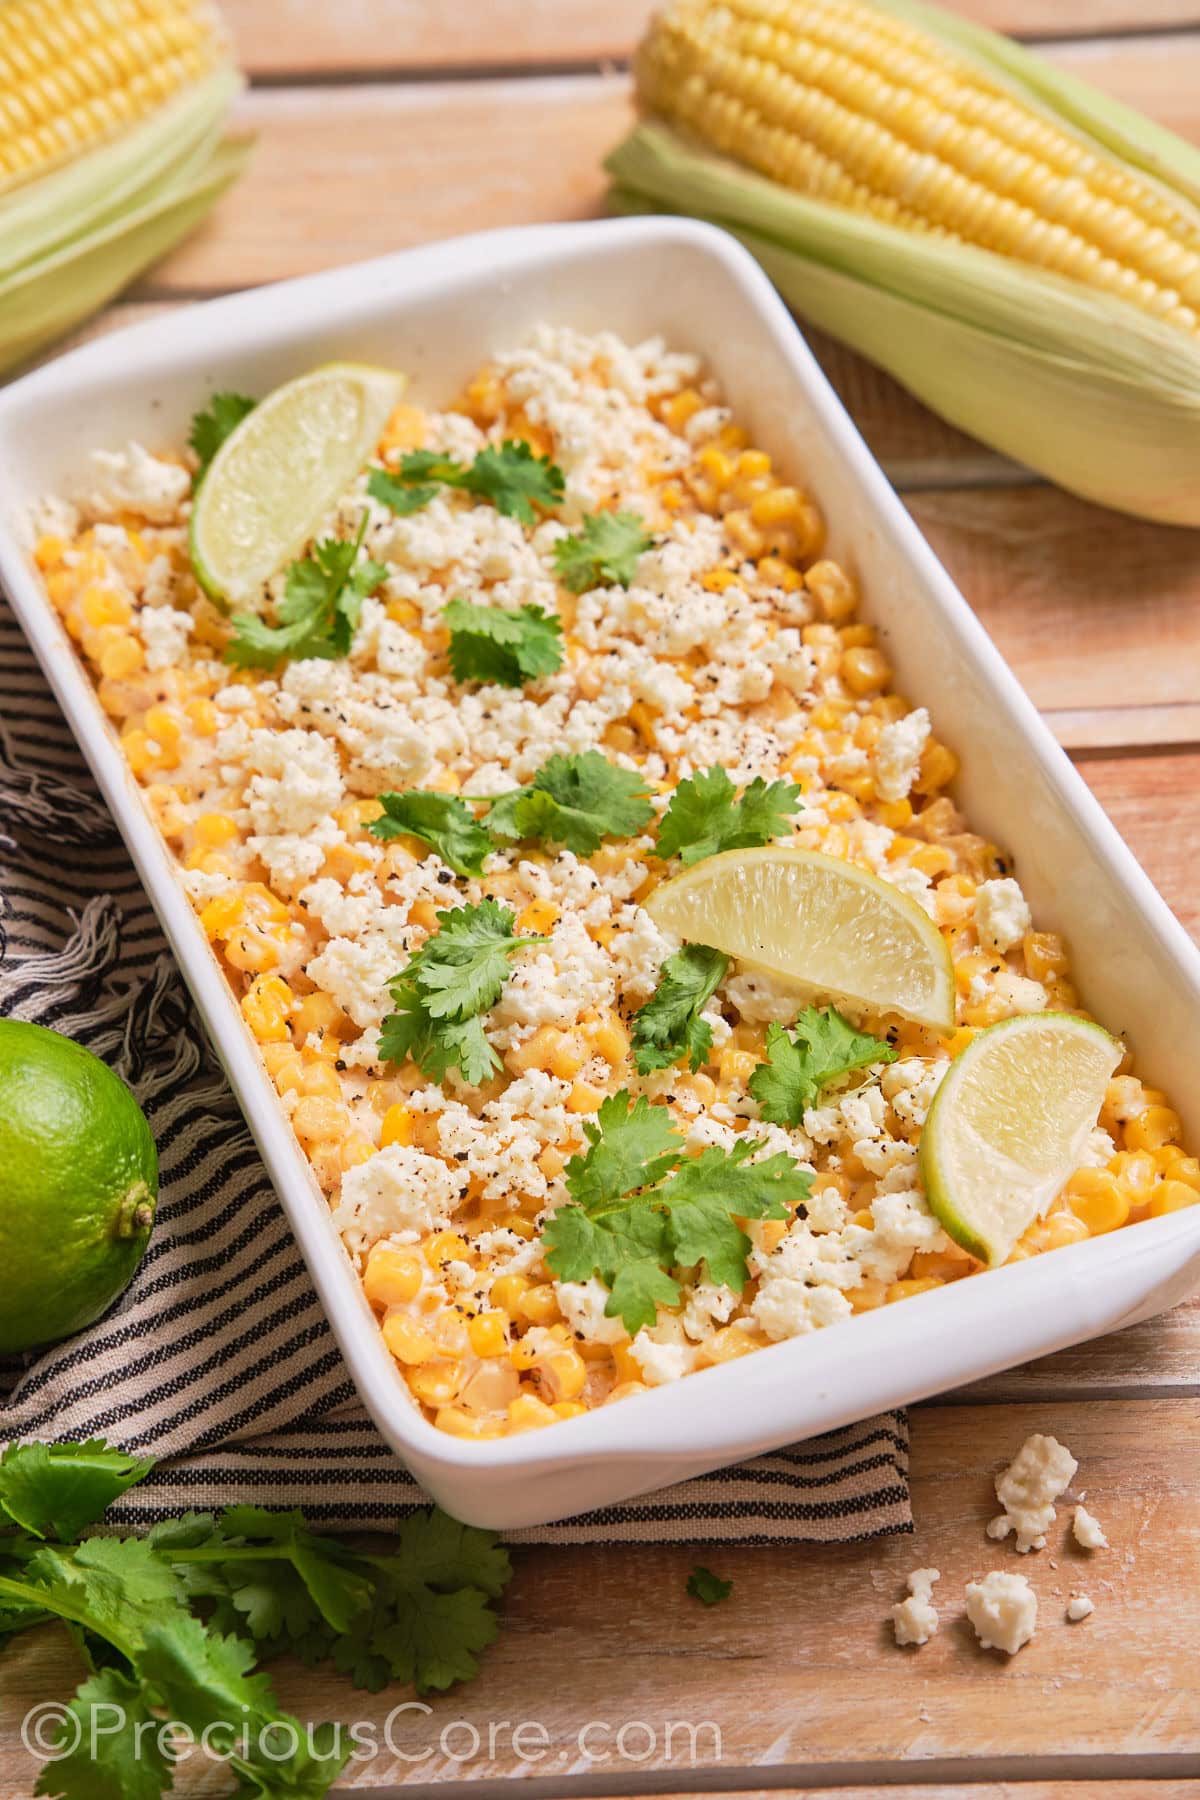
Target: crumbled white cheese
x=1028, y=1488
x=131, y=480
x=165, y=633
x=786, y=1308
x=662, y=1358
x=1003, y=1610
x=915, y=1619
x=897, y=754
x=582, y=1304
x=1002, y=915
x=1087, y=1530
x=399, y=1192
x=1079, y=1606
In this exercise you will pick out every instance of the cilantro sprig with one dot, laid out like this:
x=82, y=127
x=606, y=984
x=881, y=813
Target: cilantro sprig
x=821, y=1046
x=500, y=644
x=669, y=1025
x=215, y=423
x=577, y=801
x=703, y=1585
x=444, y=989
x=603, y=552
x=173, y=1625
x=706, y=816
x=322, y=603
x=511, y=477
x=442, y=821
x=639, y=1209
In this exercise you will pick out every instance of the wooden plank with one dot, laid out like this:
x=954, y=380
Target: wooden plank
x=796, y=1674
x=294, y=37
x=1154, y=802
x=1092, y=609
x=957, y=1790
x=354, y=171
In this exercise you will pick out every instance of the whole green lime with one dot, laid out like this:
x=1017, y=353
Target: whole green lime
x=78, y=1185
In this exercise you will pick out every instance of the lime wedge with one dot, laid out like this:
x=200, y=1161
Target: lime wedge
x=827, y=925
x=1009, y=1123
x=276, y=476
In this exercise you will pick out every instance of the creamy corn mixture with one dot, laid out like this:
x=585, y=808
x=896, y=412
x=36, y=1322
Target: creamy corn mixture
x=736, y=644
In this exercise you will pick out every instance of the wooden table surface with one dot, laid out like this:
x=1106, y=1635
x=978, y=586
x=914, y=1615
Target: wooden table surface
x=389, y=122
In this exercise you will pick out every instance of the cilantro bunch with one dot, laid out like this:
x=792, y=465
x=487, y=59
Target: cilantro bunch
x=322, y=602
x=172, y=1625
x=577, y=801
x=669, y=1025
x=640, y=1209
x=444, y=989
x=511, y=477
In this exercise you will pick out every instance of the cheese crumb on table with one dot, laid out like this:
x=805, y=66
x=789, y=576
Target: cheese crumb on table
x=1003, y=1610
x=1087, y=1530
x=1028, y=1488
x=915, y=1618
x=1078, y=1607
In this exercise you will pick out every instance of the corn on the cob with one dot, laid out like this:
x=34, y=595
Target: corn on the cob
x=908, y=164
x=73, y=76
x=110, y=149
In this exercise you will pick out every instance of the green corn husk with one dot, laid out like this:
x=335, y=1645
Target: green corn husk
x=46, y=298
x=1087, y=389
x=73, y=238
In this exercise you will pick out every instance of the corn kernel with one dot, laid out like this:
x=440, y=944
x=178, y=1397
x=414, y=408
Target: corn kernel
x=895, y=813
x=1173, y=1196
x=436, y=1383
x=104, y=606
x=1153, y=1128
x=396, y=1127
x=563, y=1373
x=528, y=1413
x=538, y=917
x=584, y=1098
x=214, y=829
x=265, y=1008
x=939, y=766
x=904, y=1290
x=391, y=1277
x=487, y=1333
x=48, y=551
x=444, y=1247
x=163, y=726
x=538, y=1304
x=203, y=717
x=1098, y=1200
x=120, y=658
x=316, y=1119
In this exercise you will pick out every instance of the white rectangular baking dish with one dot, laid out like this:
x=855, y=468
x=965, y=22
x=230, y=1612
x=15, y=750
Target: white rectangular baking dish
x=438, y=312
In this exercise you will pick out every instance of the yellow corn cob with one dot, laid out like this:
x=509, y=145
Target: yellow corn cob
x=73, y=76
x=1019, y=250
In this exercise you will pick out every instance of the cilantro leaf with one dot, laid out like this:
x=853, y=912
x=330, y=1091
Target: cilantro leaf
x=821, y=1046
x=514, y=480
x=204, y=1679
x=401, y=496
x=709, y=1193
x=109, y=1745
x=639, y=1209
x=54, y=1490
x=445, y=986
x=322, y=601
x=669, y=1025
x=442, y=821
x=704, y=817
x=703, y=1585
x=574, y=800
x=631, y=1145
x=496, y=644
x=211, y=427
x=511, y=477
x=603, y=552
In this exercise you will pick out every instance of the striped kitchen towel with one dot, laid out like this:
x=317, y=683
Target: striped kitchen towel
x=218, y=1359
